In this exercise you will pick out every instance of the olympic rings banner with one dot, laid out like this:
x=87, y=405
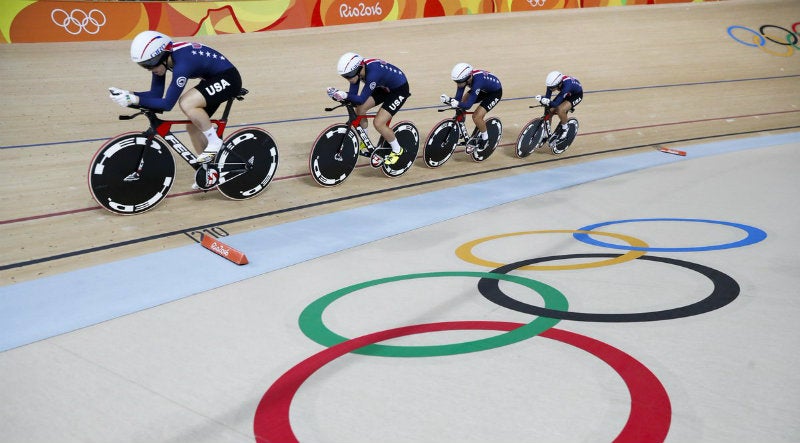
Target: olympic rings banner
x=66, y=21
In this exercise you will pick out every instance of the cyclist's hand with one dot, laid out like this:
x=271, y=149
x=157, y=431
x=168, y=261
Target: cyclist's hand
x=337, y=94
x=445, y=99
x=453, y=103
x=122, y=97
x=543, y=100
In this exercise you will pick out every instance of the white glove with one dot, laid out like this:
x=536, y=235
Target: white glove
x=543, y=100
x=337, y=94
x=445, y=99
x=122, y=97
x=453, y=103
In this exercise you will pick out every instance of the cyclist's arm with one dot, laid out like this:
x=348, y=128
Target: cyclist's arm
x=174, y=92
x=566, y=90
x=156, y=87
x=370, y=83
x=477, y=85
x=459, y=93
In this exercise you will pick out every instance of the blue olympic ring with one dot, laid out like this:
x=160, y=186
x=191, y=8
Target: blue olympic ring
x=754, y=235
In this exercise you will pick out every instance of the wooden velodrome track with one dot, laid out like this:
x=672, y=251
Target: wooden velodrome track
x=652, y=75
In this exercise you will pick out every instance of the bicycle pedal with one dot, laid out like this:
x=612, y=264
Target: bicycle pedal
x=206, y=178
x=376, y=161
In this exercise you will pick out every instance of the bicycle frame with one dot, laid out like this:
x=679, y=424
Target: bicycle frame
x=539, y=131
x=460, y=118
x=354, y=120
x=163, y=128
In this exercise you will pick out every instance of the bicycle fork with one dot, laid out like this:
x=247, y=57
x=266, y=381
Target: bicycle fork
x=137, y=174
x=362, y=135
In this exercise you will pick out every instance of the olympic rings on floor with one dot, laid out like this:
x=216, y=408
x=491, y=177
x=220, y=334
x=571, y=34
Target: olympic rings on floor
x=312, y=326
x=651, y=411
x=725, y=291
x=464, y=252
x=649, y=419
x=754, y=235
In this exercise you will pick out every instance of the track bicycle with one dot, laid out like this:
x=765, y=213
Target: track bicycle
x=452, y=132
x=536, y=132
x=335, y=152
x=133, y=172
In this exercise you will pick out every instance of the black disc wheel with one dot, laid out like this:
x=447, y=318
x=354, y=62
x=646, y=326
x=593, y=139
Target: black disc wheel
x=530, y=138
x=129, y=176
x=246, y=163
x=334, y=155
x=441, y=143
x=494, y=129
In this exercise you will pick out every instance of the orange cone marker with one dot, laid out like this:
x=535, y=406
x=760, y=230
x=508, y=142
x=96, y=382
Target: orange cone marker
x=216, y=246
x=672, y=151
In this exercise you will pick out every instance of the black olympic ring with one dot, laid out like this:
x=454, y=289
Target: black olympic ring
x=726, y=289
x=789, y=34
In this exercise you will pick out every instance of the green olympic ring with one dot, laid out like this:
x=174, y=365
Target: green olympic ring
x=313, y=327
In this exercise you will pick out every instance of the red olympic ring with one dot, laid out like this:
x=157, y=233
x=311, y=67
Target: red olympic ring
x=649, y=418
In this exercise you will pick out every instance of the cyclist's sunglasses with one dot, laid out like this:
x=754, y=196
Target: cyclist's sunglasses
x=153, y=62
x=352, y=74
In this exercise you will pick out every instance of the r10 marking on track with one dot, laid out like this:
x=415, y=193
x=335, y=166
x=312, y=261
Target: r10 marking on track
x=215, y=232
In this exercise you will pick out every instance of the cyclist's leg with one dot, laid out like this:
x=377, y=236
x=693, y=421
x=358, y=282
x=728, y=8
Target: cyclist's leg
x=363, y=108
x=478, y=118
x=364, y=124
x=562, y=111
x=193, y=104
x=200, y=103
x=487, y=102
x=199, y=139
x=391, y=102
x=381, y=123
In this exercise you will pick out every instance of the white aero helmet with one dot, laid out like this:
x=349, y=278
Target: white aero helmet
x=461, y=72
x=553, y=79
x=348, y=65
x=150, y=48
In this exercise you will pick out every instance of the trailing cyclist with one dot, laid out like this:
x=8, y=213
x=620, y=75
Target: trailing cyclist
x=485, y=88
x=384, y=84
x=570, y=93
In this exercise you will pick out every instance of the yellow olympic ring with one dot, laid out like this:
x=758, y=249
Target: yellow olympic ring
x=788, y=53
x=464, y=252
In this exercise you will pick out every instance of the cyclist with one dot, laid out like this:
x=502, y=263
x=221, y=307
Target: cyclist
x=485, y=88
x=384, y=84
x=219, y=81
x=570, y=93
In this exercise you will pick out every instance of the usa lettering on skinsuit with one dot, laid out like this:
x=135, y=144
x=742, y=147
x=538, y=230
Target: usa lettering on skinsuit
x=217, y=87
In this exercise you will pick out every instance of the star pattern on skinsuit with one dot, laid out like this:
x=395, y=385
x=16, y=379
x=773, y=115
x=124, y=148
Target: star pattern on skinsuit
x=208, y=54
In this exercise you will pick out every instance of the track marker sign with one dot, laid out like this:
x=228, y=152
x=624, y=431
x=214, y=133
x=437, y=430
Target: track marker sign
x=218, y=247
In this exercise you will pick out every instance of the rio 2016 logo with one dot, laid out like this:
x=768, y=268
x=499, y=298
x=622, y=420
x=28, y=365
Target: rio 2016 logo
x=772, y=39
x=360, y=10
